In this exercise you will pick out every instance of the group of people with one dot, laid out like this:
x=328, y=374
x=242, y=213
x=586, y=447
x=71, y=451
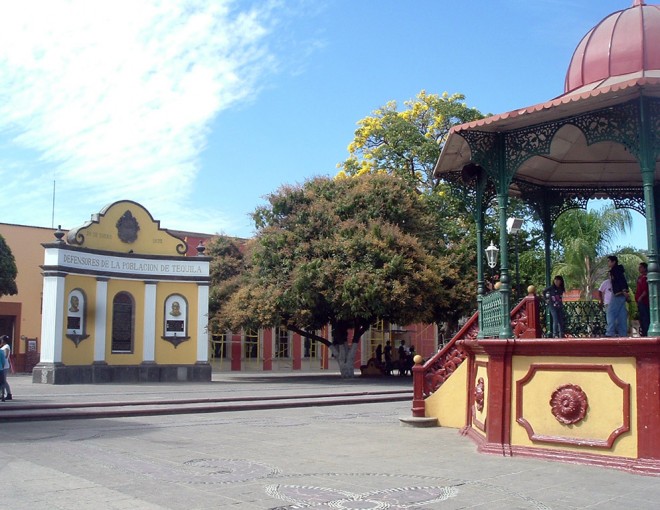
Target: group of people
x=5, y=367
x=614, y=294
x=405, y=361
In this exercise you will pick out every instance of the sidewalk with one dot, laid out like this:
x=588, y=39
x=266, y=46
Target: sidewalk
x=344, y=457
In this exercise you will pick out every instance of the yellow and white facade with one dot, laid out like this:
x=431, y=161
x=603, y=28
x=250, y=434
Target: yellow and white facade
x=122, y=303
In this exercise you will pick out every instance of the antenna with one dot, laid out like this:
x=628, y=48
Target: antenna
x=52, y=217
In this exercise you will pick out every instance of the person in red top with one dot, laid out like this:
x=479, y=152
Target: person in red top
x=642, y=299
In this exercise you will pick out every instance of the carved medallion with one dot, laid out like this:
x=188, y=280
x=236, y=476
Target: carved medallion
x=479, y=394
x=569, y=404
x=127, y=227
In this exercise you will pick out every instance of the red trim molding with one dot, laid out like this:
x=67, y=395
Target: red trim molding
x=639, y=466
x=592, y=442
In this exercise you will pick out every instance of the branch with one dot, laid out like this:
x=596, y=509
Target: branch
x=311, y=336
x=359, y=330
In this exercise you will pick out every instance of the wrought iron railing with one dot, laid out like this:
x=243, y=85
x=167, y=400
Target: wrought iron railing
x=582, y=319
x=491, y=314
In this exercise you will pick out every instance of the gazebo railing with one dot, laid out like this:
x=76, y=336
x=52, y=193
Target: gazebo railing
x=582, y=319
x=436, y=370
x=491, y=313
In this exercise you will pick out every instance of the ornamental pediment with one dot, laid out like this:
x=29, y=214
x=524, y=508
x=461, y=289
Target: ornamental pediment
x=126, y=227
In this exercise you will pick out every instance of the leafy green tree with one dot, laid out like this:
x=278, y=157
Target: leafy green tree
x=343, y=252
x=227, y=265
x=8, y=270
x=585, y=239
x=407, y=143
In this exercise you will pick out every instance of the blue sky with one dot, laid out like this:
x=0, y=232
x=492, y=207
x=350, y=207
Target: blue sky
x=199, y=109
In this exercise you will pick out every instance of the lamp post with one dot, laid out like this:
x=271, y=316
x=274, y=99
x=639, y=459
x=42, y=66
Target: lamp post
x=491, y=256
x=513, y=226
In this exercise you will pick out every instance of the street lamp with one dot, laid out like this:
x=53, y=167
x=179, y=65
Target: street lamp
x=513, y=226
x=491, y=255
x=491, y=258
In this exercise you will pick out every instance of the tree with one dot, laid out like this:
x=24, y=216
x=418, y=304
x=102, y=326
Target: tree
x=584, y=238
x=343, y=252
x=227, y=265
x=407, y=143
x=8, y=270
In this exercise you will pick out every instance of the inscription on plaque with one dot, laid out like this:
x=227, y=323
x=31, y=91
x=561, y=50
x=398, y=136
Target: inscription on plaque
x=174, y=327
x=73, y=323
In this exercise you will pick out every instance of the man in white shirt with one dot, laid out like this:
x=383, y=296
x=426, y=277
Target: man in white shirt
x=605, y=295
x=605, y=292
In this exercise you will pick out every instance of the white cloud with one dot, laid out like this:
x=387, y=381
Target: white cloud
x=116, y=99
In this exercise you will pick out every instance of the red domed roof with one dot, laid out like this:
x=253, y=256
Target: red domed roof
x=625, y=45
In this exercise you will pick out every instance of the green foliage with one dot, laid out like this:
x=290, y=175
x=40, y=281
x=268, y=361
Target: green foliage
x=8, y=270
x=584, y=239
x=227, y=265
x=343, y=252
x=407, y=143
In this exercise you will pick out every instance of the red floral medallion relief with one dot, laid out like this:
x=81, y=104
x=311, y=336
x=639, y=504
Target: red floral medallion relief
x=569, y=404
x=479, y=394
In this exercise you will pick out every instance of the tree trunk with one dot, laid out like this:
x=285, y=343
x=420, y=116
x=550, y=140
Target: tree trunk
x=345, y=356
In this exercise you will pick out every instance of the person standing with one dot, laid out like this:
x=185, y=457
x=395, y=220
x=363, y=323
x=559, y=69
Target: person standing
x=2, y=375
x=6, y=350
x=642, y=299
x=553, y=297
x=388, y=358
x=617, y=313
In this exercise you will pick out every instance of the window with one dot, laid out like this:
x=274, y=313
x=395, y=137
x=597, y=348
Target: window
x=251, y=344
x=379, y=335
x=219, y=342
x=282, y=343
x=311, y=347
x=218, y=346
x=123, y=318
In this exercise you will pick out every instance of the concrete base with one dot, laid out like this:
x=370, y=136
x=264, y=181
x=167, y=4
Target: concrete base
x=409, y=421
x=100, y=373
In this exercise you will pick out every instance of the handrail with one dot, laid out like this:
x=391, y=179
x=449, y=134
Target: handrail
x=427, y=378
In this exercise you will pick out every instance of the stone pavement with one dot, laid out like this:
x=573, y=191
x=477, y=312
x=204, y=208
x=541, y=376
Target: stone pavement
x=353, y=457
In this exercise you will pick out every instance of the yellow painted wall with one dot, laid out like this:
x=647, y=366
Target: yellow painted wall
x=84, y=353
x=186, y=352
x=449, y=403
x=604, y=413
x=136, y=289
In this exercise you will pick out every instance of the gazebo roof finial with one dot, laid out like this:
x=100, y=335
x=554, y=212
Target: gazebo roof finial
x=637, y=3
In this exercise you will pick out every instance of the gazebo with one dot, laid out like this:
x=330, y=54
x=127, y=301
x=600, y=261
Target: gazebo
x=595, y=400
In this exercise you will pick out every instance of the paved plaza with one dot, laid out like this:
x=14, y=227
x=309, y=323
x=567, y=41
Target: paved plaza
x=353, y=457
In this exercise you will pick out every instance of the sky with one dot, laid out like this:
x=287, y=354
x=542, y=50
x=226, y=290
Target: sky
x=199, y=109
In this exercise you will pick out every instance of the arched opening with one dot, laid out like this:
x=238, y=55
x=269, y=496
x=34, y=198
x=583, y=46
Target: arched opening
x=123, y=320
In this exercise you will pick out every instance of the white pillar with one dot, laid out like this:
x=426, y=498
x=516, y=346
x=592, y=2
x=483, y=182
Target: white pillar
x=101, y=319
x=52, y=319
x=149, y=332
x=202, y=322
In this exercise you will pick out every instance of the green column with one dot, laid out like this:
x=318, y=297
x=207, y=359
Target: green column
x=479, y=220
x=505, y=288
x=647, y=162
